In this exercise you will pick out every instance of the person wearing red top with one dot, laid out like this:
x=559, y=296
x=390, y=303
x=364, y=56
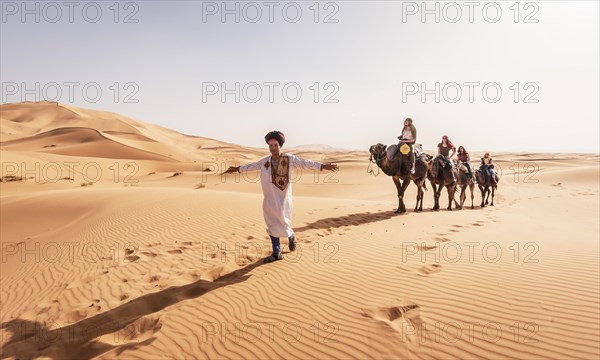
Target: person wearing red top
x=463, y=157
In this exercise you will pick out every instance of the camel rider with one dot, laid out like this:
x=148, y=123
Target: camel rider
x=463, y=157
x=408, y=137
x=488, y=167
x=276, y=172
x=444, y=149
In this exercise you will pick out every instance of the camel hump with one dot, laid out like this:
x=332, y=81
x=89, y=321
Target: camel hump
x=391, y=152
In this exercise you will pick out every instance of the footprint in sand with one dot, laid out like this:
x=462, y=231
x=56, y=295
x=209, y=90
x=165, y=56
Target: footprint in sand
x=135, y=334
x=402, y=319
x=429, y=269
x=132, y=258
x=441, y=239
x=80, y=314
x=459, y=227
x=426, y=247
x=175, y=251
x=149, y=254
x=243, y=261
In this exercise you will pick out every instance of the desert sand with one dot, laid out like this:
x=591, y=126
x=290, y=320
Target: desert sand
x=120, y=239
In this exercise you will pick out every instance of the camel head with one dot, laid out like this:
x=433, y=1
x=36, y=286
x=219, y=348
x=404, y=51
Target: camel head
x=378, y=151
x=431, y=168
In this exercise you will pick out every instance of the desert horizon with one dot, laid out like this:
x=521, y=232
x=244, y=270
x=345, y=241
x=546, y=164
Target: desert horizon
x=151, y=252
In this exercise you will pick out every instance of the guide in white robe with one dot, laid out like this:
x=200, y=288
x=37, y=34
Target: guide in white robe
x=277, y=189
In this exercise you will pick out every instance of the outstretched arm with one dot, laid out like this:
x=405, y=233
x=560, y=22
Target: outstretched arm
x=250, y=166
x=309, y=164
x=330, y=167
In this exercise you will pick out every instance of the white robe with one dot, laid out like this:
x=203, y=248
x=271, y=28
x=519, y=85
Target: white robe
x=277, y=204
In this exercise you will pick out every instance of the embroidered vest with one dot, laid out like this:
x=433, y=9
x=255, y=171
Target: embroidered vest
x=280, y=175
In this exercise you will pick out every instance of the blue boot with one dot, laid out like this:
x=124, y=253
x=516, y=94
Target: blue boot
x=276, y=250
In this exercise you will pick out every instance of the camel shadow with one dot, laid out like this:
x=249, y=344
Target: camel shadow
x=78, y=341
x=347, y=220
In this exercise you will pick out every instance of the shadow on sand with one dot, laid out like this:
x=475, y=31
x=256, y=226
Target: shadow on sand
x=79, y=340
x=347, y=220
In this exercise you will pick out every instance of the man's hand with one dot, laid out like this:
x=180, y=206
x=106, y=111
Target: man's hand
x=330, y=167
x=232, y=169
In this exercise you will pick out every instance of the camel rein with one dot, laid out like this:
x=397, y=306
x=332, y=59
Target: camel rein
x=370, y=166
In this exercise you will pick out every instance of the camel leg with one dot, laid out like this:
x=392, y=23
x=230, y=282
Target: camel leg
x=436, y=196
x=482, y=195
x=456, y=204
x=422, y=193
x=450, y=189
x=493, y=191
x=418, y=197
x=401, y=207
x=399, y=190
x=472, y=187
x=419, y=194
x=488, y=193
x=463, y=196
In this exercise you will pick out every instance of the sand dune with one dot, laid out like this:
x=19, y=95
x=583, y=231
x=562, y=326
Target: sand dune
x=165, y=261
x=21, y=121
x=79, y=141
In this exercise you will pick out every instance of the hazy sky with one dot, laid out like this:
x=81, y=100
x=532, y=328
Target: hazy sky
x=373, y=62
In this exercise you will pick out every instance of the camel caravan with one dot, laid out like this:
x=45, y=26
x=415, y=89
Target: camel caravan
x=406, y=162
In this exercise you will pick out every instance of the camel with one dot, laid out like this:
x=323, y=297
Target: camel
x=463, y=183
x=440, y=177
x=486, y=186
x=399, y=169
